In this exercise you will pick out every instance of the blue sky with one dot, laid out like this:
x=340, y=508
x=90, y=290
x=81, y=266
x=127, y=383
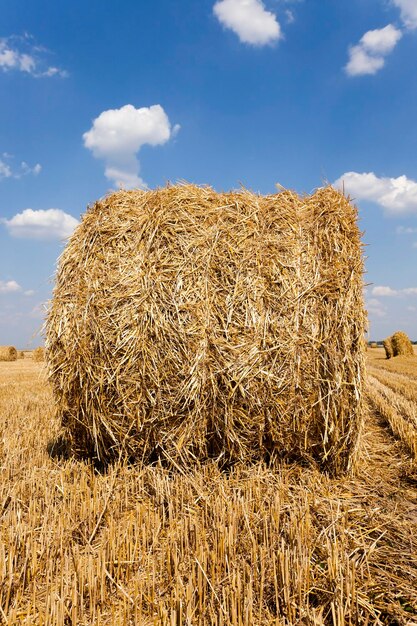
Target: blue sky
x=99, y=94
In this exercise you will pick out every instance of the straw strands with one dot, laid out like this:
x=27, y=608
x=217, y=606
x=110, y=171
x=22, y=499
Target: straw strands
x=398, y=412
x=398, y=344
x=401, y=344
x=187, y=324
x=8, y=353
x=389, y=350
x=401, y=383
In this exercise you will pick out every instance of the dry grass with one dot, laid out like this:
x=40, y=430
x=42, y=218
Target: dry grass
x=189, y=325
x=399, y=383
x=404, y=365
x=398, y=412
x=147, y=546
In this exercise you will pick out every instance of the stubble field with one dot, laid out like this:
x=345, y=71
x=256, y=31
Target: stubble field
x=142, y=546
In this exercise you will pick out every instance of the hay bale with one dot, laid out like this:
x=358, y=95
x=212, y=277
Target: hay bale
x=38, y=355
x=401, y=344
x=8, y=353
x=187, y=324
x=389, y=351
x=373, y=344
x=21, y=355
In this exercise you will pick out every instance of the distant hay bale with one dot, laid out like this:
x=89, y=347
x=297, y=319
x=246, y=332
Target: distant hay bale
x=8, y=353
x=401, y=344
x=38, y=355
x=187, y=324
x=389, y=350
x=21, y=355
x=373, y=344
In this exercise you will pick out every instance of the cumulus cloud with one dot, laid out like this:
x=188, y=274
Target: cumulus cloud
x=117, y=135
x=9, y=286
x=398, y=196
x=250, y=20
x=8, y=170
x=385, y=291
x=44, y=224
x=408, y=10
x=26, y=169
x=5, y=170
x=375, y=307
x=22, y=55
x=368, y=57
x=290, y=16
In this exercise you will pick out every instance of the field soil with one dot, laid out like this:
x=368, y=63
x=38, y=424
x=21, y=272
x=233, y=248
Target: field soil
x=140, y=545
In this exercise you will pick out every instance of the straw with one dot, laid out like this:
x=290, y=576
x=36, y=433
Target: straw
x=188, y=324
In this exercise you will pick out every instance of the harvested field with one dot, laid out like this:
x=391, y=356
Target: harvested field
x=405, y=365
x=141, y=545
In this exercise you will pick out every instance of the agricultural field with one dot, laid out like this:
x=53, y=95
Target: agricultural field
x=140, y=545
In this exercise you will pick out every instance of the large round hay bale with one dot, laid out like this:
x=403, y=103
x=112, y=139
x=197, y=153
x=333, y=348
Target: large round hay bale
x=8, y=353
x=389, y=350
x=38, y=355
x=401, y=344
x=187, y=324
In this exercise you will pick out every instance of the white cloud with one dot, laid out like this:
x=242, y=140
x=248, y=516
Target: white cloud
x=26, y=169
x=29, y=292
x=375, y=307
x=361, y=63
x=250, y=20
x=7, y=171
x=368, y=56
x=405, y=230
x=415, y=244
x=46, y=224
x=20, y=54
x=382, y=40
x=384, y=291
x=117, y=135
x=9, y=286
x=374, y=302
x=290, y=16
x=395, y=195
x=408, y=10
